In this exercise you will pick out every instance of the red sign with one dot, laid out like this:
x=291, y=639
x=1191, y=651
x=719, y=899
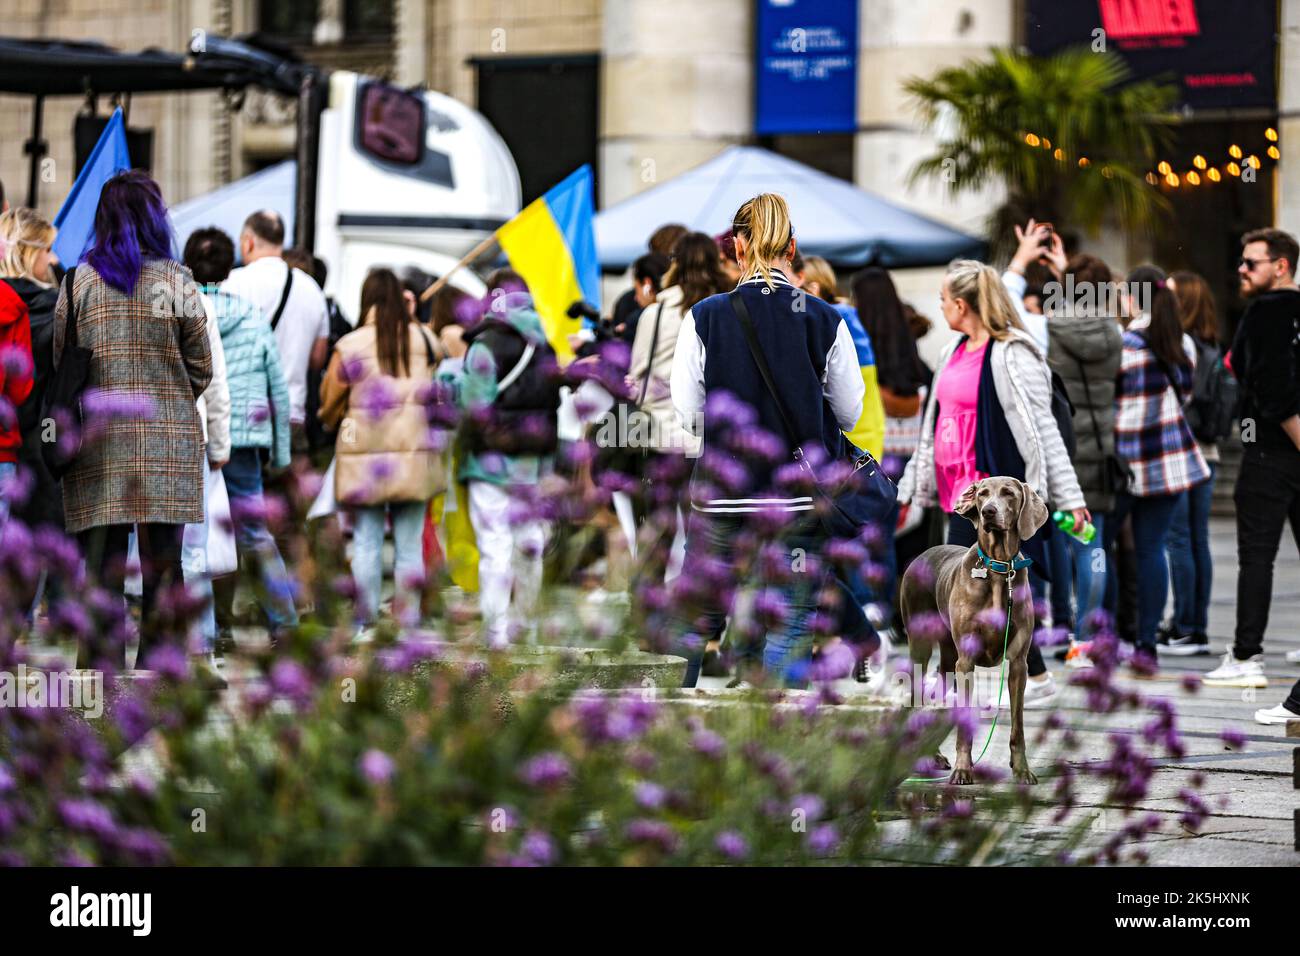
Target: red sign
x=1148, y=19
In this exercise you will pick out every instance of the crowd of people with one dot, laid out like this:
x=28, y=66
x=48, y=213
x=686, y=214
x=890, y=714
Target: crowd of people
x=1110, y=401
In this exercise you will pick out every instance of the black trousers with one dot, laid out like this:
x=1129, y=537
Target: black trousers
x=1266, y=496
x=962, y=532
x=105, y=549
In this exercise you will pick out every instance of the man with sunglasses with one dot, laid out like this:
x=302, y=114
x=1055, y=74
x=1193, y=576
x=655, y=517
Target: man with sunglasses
x=1265, y=357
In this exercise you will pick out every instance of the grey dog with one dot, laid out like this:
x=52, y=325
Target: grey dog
x=970, y=595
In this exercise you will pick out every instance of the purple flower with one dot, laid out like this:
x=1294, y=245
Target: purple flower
x=376, y=766
x=169, y=661
x=709, y=744
x=88, y=816
x=822, y=840
x=290, y=679
x=547, y=771
x=538, y=848
x=653, y=832
x=812, y=805
x=649, y=796
x=1233, y=739
x=834, y=662
x=731, y=845
x=143, y=846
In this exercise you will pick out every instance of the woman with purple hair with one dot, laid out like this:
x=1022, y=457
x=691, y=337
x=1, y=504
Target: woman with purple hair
x=140, y=464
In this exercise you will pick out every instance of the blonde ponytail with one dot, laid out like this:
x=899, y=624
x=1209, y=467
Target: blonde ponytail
x=981, y=288
x=764, y=221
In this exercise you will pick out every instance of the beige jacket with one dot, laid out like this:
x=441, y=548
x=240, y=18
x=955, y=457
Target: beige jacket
x=667, y=433
x=386, y=450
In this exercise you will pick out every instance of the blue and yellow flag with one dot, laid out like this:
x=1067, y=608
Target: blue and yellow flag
x=76, y=220
x=552, y=245
x=869, y=433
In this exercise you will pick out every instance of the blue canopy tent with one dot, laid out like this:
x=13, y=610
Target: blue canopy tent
x=832, y=218
x=228, y=207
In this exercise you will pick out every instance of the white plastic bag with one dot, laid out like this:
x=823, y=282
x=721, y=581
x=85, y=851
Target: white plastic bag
x=223, y=558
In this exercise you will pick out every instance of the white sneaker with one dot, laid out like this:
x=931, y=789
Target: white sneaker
x=1234, y=673
x=1040, y=693
x=1077, y=656
x=1275, y=715
x=1293, y=657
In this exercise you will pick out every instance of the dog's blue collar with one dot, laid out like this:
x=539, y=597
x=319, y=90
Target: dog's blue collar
x=1003, y=567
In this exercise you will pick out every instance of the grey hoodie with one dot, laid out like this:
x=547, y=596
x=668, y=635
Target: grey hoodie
x=1091, y=347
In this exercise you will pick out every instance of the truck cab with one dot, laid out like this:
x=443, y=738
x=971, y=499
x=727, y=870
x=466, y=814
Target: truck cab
x=405, y=177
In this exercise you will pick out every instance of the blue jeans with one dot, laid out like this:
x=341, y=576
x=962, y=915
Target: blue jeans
x=1191, y=569
x=243, y=474
x=368, y=555
x=8, y=471
x=862, y=590
x=713, y=537
x=1090, y=571
x=1151, y=517
x=1058, y=556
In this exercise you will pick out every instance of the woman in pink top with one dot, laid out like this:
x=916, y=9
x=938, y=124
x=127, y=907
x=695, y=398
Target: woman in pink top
x=1009, y=426
x=957, y=396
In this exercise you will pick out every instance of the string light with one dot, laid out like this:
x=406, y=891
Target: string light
x=1164, y=170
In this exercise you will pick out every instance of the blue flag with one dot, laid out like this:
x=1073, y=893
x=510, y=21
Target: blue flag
x=76, y=220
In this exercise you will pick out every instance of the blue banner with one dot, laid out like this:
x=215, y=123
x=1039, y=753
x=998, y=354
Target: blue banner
x=807, y=69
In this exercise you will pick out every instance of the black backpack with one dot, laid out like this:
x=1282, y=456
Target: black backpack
x=1215, y=395
x=522, y=419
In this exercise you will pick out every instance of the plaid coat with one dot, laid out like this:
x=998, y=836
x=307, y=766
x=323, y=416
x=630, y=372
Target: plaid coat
x=141, y=461
x=1151, y=433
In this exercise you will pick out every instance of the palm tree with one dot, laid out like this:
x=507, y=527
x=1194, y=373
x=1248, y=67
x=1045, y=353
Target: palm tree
x=1070, y=139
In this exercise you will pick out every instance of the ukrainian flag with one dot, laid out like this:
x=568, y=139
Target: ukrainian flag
x=869, y=432
x=552, y=245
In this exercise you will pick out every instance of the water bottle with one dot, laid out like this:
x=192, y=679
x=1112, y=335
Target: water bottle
x=1065, y=521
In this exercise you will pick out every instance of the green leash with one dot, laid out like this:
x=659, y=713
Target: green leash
x=1002, y=676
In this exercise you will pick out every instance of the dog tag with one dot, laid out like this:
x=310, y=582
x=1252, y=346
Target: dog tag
x=979, y=571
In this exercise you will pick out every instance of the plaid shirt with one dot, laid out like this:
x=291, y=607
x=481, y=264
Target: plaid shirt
x=1151, y=433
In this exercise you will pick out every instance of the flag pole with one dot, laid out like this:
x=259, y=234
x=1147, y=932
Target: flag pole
x=469, y=257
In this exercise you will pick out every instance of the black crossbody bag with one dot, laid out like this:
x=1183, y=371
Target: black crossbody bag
x=865, y=496
x=62, y=402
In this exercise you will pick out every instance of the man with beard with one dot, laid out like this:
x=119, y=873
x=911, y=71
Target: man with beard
x=1265, y=357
